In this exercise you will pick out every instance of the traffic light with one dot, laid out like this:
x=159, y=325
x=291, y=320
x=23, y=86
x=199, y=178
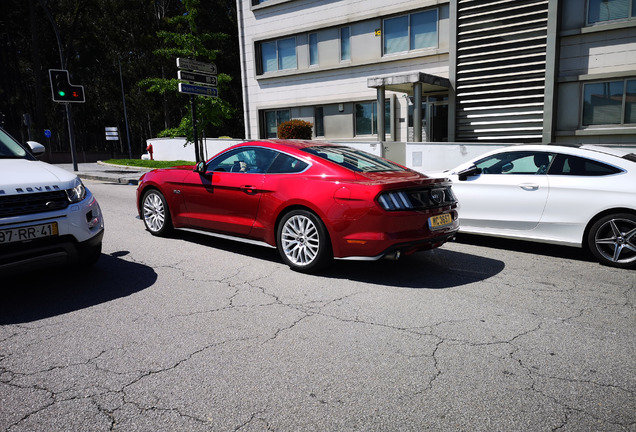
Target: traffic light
x=62, y=89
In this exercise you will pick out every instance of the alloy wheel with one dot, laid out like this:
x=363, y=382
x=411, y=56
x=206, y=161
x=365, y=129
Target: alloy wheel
x=300, y=240
x=154, y=212
x=615, y=241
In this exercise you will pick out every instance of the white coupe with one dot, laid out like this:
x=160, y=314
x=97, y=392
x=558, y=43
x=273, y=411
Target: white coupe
x=582, y=196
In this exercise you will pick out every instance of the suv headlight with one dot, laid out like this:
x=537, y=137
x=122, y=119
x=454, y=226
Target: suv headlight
x=76, y=193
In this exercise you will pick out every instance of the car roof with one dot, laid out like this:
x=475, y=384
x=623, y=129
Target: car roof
x=576, y=149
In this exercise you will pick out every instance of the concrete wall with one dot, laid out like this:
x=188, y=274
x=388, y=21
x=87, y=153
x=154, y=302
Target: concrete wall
x=171, y=149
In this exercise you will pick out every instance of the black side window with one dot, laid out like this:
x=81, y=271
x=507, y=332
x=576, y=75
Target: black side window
x=578, y=166
x=285, y=164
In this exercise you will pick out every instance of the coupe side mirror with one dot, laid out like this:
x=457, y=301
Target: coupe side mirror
x=471, y=171
x=201, y=168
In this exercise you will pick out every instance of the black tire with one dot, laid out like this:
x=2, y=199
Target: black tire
x=303, y=241
x=612, y=240
x=155, y=213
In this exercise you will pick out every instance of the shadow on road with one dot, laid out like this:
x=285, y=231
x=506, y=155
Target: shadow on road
x=434, y=269
x=543, y=249
x=48, y=293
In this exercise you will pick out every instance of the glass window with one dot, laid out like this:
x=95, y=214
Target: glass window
x=424, y=29
x=285, y=164
x=319, y=121
x=609, y=102
x=287, y=54
x=268, y=51
x=630, y=101
x=250, y=160
x=578, y=166
x=366, y=118
x=516, y=163
x=313, y=49
x=353, y=159
x=410, y=32
x=272, y=119
x=396, y=35
x=345, y=43
x=278, y=55
x=608, y=10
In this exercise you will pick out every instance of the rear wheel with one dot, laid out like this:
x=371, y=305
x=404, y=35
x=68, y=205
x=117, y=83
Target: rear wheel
x=612, y=240
x=155, y=213
x=303, y=241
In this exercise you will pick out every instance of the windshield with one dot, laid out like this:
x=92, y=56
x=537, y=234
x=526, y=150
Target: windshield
x=355, y=160
x=9, y=148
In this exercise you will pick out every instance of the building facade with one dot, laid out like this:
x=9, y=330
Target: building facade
x=470, y=71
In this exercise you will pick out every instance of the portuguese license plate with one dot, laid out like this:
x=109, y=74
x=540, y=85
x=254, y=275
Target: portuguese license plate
x=440, y=220
x=28, y=233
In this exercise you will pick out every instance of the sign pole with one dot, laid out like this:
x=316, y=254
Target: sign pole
x=193, y=106
x=71, y=135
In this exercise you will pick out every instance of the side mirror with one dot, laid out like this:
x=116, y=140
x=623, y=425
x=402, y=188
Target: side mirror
x=201, y=168
x=36, y=148
x=471, y=171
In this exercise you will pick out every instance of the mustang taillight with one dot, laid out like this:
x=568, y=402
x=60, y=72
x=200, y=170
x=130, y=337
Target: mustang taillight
x=416, y=199
x=395, y=201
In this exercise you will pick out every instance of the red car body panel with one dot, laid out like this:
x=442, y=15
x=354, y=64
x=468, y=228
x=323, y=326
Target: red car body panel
x=249, y=205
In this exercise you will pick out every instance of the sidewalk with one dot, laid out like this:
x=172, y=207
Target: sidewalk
x=106, y=172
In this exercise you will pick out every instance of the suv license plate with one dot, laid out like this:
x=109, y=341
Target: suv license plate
x=440, y=220
x=28, y=233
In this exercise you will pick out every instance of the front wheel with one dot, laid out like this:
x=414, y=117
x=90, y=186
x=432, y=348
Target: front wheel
x=303, y=241
x=155, y=213
x=612, y=240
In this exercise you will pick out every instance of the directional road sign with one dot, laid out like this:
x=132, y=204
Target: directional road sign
x=198, y=90
x=112, y=133
x=193, y=65
x=197, y=78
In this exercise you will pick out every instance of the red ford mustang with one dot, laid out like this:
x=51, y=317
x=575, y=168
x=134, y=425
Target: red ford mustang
x=311, y=200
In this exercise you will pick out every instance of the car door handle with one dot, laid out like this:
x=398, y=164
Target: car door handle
x=529, y=186
x=248, y=189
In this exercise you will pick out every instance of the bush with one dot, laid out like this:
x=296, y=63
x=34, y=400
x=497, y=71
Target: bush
x=295, y=129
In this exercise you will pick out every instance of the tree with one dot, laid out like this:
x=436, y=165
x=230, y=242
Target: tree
x=96, y=37
x=187, y=39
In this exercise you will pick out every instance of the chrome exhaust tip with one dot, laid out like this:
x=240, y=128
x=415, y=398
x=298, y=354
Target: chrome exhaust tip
x=393, y=256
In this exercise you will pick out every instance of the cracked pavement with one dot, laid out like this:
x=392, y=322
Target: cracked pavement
x=199, y=334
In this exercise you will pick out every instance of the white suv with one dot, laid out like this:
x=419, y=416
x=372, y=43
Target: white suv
x=47, y=216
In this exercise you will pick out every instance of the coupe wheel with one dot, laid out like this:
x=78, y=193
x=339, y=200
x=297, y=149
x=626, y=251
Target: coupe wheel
x=156, y=214
x=612, y=240
x=303, y=241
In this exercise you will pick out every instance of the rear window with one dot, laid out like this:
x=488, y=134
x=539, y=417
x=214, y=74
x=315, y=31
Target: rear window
x=578, y=166
x=355, y=160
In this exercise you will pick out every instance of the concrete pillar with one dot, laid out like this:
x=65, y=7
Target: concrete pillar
x=380, y=114
x=417, y=112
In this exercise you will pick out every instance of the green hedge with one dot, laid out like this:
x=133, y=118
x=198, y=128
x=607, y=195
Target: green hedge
x=295, y=129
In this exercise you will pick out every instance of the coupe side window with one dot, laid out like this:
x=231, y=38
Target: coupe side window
x=578, y=166
x=516, y=163
x=257, y=161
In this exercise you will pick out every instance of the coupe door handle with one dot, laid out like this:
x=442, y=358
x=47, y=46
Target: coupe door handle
x=529, y=186
x=248, y=189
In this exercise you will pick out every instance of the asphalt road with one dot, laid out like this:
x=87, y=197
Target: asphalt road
x=193, y=333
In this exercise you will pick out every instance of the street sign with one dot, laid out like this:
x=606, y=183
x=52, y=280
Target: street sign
x=197, y=78
x=198, y=90
x=47, y=133
x=193, y=65
x=112, y=133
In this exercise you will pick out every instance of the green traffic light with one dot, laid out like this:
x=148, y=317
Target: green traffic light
x=61, y=93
